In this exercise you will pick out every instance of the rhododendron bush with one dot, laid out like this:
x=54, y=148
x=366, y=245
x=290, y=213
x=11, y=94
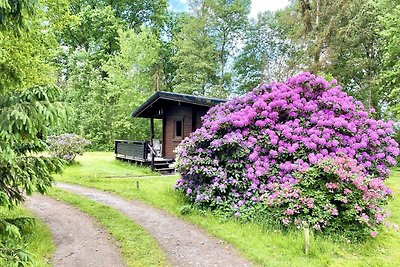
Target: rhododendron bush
x=67, y=146
x=304, y=149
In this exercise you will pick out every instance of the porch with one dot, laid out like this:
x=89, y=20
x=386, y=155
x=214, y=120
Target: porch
x=180, y=114
x=143, y=153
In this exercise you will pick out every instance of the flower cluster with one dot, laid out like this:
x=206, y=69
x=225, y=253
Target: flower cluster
x=66, y=146
x=334, y=193
x=251, y=147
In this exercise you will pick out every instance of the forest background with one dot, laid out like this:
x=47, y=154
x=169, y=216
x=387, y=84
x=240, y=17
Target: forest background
x=106, y=57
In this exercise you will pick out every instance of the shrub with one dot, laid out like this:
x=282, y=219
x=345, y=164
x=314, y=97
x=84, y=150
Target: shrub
x=334, y=192
x=288, y=138
x=66, y=146
x=185, y=209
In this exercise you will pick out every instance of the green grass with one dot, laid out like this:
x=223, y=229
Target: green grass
x=260, y=244
x=103, y=164
x=137, y=246
x=36, y=239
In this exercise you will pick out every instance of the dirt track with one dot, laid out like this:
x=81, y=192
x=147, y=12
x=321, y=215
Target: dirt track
x=184, y=244
x=79, y=242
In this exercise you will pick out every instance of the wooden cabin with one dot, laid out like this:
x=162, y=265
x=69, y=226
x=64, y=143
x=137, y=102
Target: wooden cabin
x=180, y=114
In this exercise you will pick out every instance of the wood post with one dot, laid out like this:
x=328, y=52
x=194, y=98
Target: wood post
x=151, y=142
x=306, y=238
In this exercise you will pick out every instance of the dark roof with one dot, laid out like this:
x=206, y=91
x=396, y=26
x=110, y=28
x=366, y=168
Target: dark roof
x=151, y=108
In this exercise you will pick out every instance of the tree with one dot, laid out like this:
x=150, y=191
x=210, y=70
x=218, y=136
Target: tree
x=134, y=14
x=340, y=39
x=24, y=119
x=28, y=107
x=22, y=47
x=356, y=55
x=94, y=30
x=13, y=13
x=136, y=65
x=266, y=53
x=150, y=13
x=228, y=19
x=133, y=75
x=205, y=45
x=85, y=92
x=196, y=56
x=320, y=20
x=173, y=26
x=91, y=45
x=390, y=45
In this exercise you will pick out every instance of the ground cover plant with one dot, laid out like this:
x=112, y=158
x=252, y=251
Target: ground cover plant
x=304, y=150
x=138, y=248
x=258, y=242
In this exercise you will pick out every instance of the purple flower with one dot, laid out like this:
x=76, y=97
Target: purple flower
x=267, y=143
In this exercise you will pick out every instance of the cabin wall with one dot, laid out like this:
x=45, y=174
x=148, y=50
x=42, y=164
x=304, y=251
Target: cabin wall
x=173, y=113
x=191, y=118
x=197, y=113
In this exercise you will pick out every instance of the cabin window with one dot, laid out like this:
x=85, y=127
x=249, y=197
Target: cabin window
x=178, y=129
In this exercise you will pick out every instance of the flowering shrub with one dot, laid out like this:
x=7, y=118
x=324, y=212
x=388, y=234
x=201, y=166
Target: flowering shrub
x=281, y=142
x=334, y=192
x=67, y=146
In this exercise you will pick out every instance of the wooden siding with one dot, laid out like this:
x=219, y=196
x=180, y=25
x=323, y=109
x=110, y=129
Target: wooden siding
x=198, y=112
x=191, y=119
x=173, y=113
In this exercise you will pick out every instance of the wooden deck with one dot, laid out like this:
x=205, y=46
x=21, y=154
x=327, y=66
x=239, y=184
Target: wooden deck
x=137, y=152
x=160, y=164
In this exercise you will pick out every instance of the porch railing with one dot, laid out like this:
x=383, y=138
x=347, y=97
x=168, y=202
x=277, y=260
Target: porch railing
x=132, y=149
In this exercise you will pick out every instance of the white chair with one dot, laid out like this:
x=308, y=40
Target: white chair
x=157, y=147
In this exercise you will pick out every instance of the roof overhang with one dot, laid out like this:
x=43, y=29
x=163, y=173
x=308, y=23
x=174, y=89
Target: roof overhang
x=153, y=107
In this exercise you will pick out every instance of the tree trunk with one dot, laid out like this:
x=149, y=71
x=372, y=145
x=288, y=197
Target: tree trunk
x=318, y=13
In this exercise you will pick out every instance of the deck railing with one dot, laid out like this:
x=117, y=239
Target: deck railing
x=131, y=149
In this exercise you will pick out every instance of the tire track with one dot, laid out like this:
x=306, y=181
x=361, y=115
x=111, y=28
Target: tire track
x=184, y=243
x=79, y=242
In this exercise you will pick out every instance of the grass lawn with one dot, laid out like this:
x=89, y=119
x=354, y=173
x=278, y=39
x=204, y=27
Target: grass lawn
x=103, y=164
x=36, y=239
x=138, y=247
x=262, y=245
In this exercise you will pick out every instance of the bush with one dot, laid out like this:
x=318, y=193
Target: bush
x=66, y=146
x=396, y=137
x=288, y=138
x=333, y=193
x=185, y=209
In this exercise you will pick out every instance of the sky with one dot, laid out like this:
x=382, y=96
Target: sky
x=256, y=5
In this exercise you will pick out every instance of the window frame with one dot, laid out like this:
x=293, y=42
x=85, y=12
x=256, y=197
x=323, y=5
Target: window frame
x=175, y=136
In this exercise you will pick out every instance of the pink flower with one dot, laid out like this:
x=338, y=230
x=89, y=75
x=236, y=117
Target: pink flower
x=374, y=234
x=332, y=186
x=289, y=212
x=334, y=212
x=347, y=191
x=262, y=145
